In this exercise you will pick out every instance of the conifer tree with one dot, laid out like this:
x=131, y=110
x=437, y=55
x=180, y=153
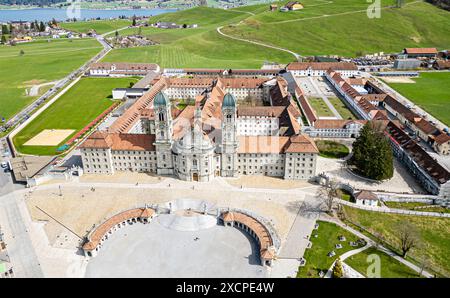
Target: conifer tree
x=338, y=271
x=372, y=153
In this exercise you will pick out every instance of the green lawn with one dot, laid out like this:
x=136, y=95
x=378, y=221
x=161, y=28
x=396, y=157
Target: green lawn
x=346, y=29
x=434, y=233
x=74, y=110
x=331, y=149
x=305, y=32
x=197, y=47
x=431, y=92
x=100, y=26
x=42, y=62
x=316, y=257
x=341, y=108
x=390, y=267
x=320, y=107
x=414, y=205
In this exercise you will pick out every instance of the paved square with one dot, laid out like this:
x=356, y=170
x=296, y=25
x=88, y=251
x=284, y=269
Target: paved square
x=152, y=250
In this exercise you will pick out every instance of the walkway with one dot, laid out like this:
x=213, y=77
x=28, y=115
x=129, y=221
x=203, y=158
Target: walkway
x=297, y=56
x=324, y=98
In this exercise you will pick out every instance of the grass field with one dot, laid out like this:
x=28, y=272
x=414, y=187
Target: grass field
x=434, y=233
x=74, y=110
x=390, y=267
x=336, y=27
x=342, y=27
x=197, y=47
x=100, y=26
x=414, y=205
x=320, y=107
x=42, y=62
x=431, y=92
x=331, y=149
x=341, y=108
x=316, y=257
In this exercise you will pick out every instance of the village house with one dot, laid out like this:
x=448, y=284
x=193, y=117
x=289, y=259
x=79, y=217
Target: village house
x=366, y=198
x=420, y=52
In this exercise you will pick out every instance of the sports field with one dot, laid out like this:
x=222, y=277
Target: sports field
x=431, y=91
x=41, y=62
x=323, y=27
x=72, y=111
x=100, y=26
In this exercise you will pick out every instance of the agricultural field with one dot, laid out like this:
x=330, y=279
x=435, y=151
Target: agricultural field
x=431, y=91
x=342, y=109
x=41, y=62
x=81, y=104
x=316, y=256
x=320, y=107
x=100, y=26
x=389, y=267
x=434, y=234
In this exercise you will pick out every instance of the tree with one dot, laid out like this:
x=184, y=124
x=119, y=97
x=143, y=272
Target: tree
x=42, y=27
x=134, y=21
x=5, y=30
x=117, y=34
x=21, y=53
x=409, y=237
x=3, y=39
x=328, y=194
x=372, y=153
x=338, y=271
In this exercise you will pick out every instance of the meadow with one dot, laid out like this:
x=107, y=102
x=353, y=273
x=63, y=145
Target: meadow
x=41, y=62
x=75, y=109
x=431, y=91
x=323, y=27
x=197, y=47
x=434, y=234
x=343, y=28
x=100, y=26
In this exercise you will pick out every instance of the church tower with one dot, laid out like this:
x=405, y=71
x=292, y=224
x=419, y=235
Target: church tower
x=229, y=137
x=163, y=134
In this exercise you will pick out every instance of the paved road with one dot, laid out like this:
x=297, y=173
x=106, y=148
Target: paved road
x=20, y=248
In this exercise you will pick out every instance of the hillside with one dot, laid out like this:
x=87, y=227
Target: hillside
x=340, y=27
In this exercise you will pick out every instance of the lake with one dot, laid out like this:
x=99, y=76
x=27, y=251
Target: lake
x=61, y=14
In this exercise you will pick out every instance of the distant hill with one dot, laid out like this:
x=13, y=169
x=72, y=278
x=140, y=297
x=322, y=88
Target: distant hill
x=444, y=4
x=31, y=2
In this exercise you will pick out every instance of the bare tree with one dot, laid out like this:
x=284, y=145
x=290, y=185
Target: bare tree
x=409, y=237
x=328, y=194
